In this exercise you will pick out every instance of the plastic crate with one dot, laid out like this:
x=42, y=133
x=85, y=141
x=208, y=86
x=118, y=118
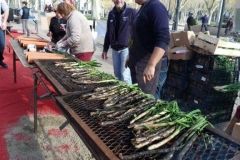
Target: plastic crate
x=219, y=117
x=215, y=78
x=209, y=63
x=173, y=93
x=180, y=66
x=206, y=107
x=209, y=93
x=180, y=81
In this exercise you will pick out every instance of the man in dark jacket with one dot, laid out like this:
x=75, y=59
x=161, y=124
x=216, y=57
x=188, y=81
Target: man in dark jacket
x=24, y=13
x=119, y=23
x=204, y=22
x=148, y=44
x=229, y=27
x=190, y=21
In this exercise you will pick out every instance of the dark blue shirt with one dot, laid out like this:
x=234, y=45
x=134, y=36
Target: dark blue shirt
x=118, y=28
x=152, y=26
x=204, y=19
x=25, y=12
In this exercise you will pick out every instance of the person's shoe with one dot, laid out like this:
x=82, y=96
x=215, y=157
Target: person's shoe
x=4, y=65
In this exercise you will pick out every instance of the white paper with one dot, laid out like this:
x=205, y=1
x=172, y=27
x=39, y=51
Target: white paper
x=203, y=78
x=181, y=51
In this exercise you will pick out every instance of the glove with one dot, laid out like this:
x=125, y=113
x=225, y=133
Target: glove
x=61, y=44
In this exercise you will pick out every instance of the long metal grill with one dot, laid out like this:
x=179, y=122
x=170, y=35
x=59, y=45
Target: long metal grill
x=117, y=137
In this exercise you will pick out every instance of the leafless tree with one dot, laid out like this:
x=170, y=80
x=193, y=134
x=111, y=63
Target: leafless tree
x=211, y=6
x=183, y=3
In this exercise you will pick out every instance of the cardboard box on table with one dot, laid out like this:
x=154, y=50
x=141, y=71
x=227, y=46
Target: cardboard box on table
x=178, y=53
x=180, y=45
x=207, y=44
x=183, y=38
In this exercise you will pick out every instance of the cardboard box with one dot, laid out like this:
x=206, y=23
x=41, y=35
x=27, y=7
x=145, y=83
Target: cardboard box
x=236, y=131
x=183, y=38
x=178, y=53
x=215, y=46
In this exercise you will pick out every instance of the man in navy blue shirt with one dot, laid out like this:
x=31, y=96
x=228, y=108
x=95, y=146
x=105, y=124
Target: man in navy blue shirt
x=119, y=23
x=148, y=43
x=204, y=22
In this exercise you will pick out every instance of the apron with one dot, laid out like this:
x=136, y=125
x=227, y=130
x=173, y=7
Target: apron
x=137, y=68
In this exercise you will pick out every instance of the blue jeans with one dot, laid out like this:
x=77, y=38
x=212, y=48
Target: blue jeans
x=2, y=44
x=120, y=71
x=205, y=27
x=161, y=80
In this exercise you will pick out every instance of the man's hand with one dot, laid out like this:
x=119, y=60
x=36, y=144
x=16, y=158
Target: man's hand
x=63, y=26
x=104, y=56
x=4, y=26
x=49, y=34
x=148, y=73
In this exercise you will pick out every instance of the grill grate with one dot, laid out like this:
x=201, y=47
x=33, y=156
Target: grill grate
x=118, y=138
x=220, y=149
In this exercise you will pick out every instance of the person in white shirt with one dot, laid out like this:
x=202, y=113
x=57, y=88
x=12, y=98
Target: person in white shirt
x=3, y=25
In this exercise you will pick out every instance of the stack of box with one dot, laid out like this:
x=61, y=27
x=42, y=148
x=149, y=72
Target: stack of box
x=180, y=55
x=210, y=71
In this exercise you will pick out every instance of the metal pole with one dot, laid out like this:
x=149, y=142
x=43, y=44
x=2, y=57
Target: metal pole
x=177, y=15
x=35, y=81
x=219, y=13
x=221, y=18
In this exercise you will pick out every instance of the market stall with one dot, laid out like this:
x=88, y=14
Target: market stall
x=107, y=115
x=113, y=140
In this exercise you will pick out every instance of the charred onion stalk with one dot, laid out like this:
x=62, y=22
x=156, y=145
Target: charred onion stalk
x=94, y=82
x=200, y=124
x=166, y=115
x=180, y=119
x=127, y=115
x=84, y=71
x=147, y=135
x=157, y=136
x=167, y=139
x=92, y=63
x=105, y=123
x=110, y=110
x=188, y=144
x=145, y=153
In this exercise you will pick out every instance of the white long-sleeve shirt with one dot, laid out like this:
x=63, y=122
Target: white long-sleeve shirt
x=4, y=7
